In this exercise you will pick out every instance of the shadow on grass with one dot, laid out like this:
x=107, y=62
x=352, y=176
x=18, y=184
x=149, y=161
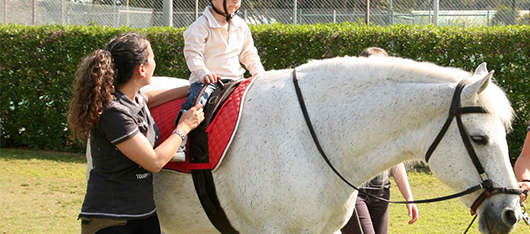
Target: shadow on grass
x=26, y=154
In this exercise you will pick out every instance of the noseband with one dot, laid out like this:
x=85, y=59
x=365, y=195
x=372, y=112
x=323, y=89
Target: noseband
x=455, y=111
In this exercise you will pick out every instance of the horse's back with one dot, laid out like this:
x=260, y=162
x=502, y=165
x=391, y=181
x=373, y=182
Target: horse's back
x=262, y=163
x=272, y=167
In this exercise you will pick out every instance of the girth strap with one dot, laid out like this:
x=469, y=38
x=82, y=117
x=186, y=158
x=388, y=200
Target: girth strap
x=203, y=179
x=205, y=188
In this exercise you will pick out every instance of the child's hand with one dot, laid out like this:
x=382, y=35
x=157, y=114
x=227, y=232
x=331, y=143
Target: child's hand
x=210, y=78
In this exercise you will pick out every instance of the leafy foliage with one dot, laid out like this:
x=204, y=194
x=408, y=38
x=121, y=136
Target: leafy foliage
x=39, y=62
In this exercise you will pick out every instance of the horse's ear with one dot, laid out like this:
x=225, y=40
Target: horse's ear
x=481, y=70
x=477, y=86
x=485, y=82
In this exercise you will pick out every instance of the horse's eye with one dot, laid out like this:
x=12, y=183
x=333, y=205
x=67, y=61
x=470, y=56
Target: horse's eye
x=480, y=140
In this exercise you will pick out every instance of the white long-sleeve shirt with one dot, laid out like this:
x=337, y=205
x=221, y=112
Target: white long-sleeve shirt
x=211, y=48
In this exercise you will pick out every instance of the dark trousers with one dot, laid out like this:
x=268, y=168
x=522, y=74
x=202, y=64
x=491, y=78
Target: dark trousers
x=370, y=215
x=148, y=225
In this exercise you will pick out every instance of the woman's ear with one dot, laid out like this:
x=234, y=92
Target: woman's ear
x=141, y=70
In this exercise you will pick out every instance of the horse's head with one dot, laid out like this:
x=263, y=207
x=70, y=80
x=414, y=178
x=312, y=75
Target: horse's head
x=473, y=150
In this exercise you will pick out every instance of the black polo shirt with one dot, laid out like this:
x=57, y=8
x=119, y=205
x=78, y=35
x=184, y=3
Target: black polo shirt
x=118, y=188
x=381, y=181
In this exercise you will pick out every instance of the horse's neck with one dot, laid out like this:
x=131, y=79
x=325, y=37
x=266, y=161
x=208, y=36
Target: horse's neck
x=369, y=128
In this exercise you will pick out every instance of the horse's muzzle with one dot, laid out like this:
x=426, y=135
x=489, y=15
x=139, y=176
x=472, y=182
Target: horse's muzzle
x=499, y=217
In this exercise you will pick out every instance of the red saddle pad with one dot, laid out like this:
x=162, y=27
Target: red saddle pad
x=220, y=132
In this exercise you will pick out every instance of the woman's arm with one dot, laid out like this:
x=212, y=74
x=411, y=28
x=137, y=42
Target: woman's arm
x=522, y=166
x=400, y=176
x=140, y=150
x=158, y=97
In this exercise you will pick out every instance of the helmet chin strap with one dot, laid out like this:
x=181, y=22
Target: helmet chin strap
x=225, y=14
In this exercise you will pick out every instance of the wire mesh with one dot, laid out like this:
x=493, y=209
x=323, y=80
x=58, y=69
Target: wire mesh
x=149, y=13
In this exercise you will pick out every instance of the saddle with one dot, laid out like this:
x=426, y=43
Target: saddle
x=208, y=143
x=199, y=153
x=198, y=138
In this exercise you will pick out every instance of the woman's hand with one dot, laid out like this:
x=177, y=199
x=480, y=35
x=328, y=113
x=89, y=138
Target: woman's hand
x=414, y=213
x=191, y=119
x=140, y=150
x=525, y=185
x=210, y=78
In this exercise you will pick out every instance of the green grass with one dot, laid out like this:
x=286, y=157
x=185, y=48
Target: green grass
x=42, y=192
x=439, y=217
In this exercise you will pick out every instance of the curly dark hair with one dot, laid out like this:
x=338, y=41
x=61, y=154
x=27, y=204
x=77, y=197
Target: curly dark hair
x=98, y=75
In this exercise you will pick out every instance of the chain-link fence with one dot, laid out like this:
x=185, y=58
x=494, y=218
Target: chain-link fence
x=147, y=13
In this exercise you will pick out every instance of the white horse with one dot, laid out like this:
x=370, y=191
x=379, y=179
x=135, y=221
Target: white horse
x=368, y=114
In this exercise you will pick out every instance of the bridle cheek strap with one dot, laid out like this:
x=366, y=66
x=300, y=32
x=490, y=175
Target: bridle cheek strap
x=480, y=199
x=488, y=187
x=456, y=111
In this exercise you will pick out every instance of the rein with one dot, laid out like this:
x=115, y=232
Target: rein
x=455, y=111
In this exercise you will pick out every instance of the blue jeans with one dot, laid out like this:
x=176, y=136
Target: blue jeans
x=193, y=92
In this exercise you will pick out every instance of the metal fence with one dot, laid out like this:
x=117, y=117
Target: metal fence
x=148, y=13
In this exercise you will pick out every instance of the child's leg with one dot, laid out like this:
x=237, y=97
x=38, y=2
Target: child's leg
x=193, y=91
x=206, y=94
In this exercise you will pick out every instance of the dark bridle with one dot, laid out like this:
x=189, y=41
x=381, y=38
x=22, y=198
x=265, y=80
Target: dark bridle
x=456, y=111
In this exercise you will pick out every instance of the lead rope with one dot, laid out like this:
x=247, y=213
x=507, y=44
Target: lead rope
x=472, y=221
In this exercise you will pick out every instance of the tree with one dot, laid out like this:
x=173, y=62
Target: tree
x=525, y=19
x=504, y=16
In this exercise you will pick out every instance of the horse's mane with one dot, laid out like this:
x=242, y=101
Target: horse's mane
x=380, y=70
x=494, y=100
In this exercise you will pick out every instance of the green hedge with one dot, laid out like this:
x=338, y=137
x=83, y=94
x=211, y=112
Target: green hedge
x=38, y=64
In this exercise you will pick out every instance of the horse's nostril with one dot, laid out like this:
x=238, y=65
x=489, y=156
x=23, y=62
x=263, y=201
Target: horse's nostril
x=510, y=218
